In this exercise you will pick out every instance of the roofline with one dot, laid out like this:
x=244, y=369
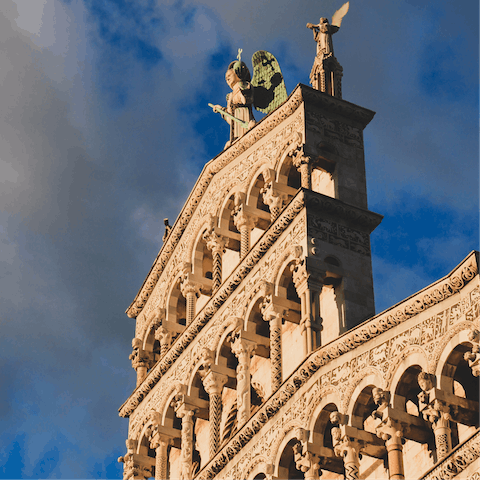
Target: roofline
x=298, y=96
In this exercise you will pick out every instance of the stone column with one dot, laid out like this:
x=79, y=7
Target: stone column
x=274, y=315
x=244, y=224
x=243, y=350
x=216, y=244
x=346, y=448
x=306, y=462
x=186, y=413
x=303, y=163
x=159, y=441
x=308, y=289
x=190, y=290
x=141, y=360
x=391, y=432
x=160, y=444
x=437, y=413
x=164, y=337
x=135, y=467
x=274, y=199
x=213, y=383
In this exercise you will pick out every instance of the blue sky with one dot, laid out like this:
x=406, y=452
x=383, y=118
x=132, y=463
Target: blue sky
x=104, y=128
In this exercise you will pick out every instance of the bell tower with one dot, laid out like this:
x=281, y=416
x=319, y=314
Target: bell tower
x=336, y=271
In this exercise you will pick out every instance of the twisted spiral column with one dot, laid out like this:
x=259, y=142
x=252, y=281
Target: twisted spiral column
x=216, y=244
x=274, y=315
x=164, y=337
x=274, y=200
x=213, y=383
x=244, y=224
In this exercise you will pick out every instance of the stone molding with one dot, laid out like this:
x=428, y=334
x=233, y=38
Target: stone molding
x=338, y=209
x=279, y=413
x=457, y=461
x=300, y=94
x=215, y=302
x=349, y=341
x=373, y=327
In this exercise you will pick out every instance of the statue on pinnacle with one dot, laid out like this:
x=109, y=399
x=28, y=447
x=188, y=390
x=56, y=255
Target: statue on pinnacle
x=326, y=74
x=265, y=92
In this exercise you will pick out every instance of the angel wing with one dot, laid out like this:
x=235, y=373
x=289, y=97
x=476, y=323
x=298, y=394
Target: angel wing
x=339, y=14
x=269, y=87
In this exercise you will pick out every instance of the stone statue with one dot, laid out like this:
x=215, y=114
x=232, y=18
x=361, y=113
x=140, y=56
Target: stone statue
x=322, y=34
x=326, y=71
x=238, y=112
x=168, y=229
x=265, y=92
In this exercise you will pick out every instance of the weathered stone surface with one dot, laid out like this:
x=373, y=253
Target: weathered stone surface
x=256, y=324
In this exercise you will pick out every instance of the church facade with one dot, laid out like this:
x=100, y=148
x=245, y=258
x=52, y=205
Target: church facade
x=257, y=349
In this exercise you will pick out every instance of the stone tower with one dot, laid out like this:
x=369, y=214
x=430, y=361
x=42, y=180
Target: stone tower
x=257, y=350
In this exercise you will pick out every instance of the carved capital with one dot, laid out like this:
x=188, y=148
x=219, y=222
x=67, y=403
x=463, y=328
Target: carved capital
x=273, y=197
x=189, y=286
x=242, y=219
x=305, y=277
x=390, y=431
x=160, y=440
x=300, y=158
x=157, y=317
x=215, y=242
x=184, y=410
x=163, y=335
x=213, y=383
x=243, y=348
x=140, y=357
x=305, y=461
x=271, y=312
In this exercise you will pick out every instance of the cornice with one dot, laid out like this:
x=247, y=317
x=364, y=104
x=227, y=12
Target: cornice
x=327, y=103
x=338, y=209
x=372, y=328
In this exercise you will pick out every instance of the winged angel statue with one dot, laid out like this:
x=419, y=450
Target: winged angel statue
x=326, y=66
x=265, y=92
